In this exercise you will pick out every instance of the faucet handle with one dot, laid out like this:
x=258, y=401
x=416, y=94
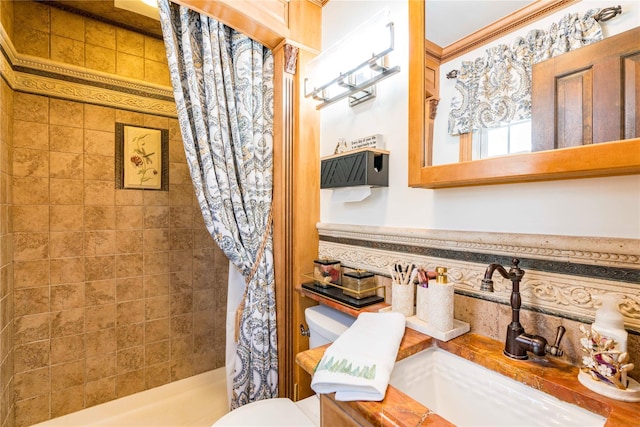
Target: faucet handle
x=555, y=349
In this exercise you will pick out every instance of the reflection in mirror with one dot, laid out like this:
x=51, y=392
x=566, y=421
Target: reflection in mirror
x=430, y=93
x=486, y=110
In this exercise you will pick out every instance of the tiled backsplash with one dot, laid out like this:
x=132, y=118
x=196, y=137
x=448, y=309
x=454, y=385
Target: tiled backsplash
x=562, y=274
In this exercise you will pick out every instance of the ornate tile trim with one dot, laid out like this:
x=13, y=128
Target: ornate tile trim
x=45, y=77
x=561, y=294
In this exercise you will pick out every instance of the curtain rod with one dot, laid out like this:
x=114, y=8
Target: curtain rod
x=603, y=16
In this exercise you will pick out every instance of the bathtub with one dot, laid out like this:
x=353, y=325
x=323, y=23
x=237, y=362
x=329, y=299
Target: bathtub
x=197, y=401
x=468, y=394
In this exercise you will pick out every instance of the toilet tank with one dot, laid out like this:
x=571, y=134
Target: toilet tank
x=326, y=324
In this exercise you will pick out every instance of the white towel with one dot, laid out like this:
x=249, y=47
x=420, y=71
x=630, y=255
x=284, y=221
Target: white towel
x=357, y=366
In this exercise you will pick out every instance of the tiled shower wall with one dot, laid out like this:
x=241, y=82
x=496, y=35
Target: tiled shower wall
x=105, y=292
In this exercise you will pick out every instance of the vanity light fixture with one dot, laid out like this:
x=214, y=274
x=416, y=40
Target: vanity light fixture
x=351, y=54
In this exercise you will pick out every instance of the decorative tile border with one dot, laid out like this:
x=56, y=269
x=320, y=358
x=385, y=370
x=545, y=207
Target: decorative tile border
x=45, y=77
x=563, y=275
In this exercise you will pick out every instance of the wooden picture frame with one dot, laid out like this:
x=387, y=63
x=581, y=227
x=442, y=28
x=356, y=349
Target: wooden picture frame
x=142, y=157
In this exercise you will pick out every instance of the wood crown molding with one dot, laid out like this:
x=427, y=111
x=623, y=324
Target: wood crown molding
x=509, y=23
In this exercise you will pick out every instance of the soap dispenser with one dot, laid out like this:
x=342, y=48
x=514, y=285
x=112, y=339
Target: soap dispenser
x=609, y=321
x=440, y=302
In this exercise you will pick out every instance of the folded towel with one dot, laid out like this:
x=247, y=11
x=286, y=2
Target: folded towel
x=357, y=366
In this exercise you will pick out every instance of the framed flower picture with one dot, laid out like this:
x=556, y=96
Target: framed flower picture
x=142, y=160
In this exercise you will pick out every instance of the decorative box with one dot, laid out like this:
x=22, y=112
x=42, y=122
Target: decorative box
x=326, y=271
x=359, y=284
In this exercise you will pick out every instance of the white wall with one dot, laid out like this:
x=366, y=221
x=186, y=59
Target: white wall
x=605, y=207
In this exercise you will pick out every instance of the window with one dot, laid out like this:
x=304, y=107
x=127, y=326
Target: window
x=511, y=138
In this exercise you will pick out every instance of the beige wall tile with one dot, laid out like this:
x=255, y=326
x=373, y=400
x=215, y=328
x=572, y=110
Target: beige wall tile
x=30, y=191
x=66, y=349
x=130, y=359
x=66, y=191
x=66, y=139
x=157, y=72
x=182, y=346
x=181, y=239
x=31, y=108
x=31, y=411
x=99, y=193
x=32, y=383
x=130, y=117
x=99, y=243
x=66, y=113
x=129, y=288
x=31, y=41
x=71, y=400
x=157, y=330
x=156, y=285
x=29, y=246
x=67, y=24
x=100, y=119
x=100, y=34
x=101, y=341
x=66, y=165
x=202, y=300
x=66, y=50
x=157, y=307
x=68, y=374
x=68, y=296
x=156, y=262
x=100, y=58
x=129, y=265
x=100, y=317
x=100, y=391
x=181, y=368
x=99, y=267
x=99, y=167
x=179, y=173
x=30, y=135
x=66, y=217
x=182, y=195
x=101, y=366
x=154, y=49
x=100, y=142
x=129, y=42
x=181, y=282
x=130, y=335
x=27, y=162
x=67, y=270
x=31, y=328
x=31, y=356
x=157, y=122
x=30, y=273
x=156, y=217
x=156, y=239
x=31, y=218
x=130, y=217
x=129, y=383
x=129, y=197
x=181, y=216
x=99, y=218
x=130, y=66
x=32, y=15
x=176, y=152
x=180, y=260
x=100, y=292
x=129, y=241
x=68, y=322
x=156, y=198
x=157, y=352
x=157, y=375
x=64, y=244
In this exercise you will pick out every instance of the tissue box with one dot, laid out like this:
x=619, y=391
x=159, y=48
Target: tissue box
x=360, y=284
x=327, y=271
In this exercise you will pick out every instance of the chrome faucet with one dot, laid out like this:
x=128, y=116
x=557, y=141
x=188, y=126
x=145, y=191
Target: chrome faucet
x=518, y=342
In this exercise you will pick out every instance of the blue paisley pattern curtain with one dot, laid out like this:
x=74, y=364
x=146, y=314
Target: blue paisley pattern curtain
x=223, y=87
x=495, y=89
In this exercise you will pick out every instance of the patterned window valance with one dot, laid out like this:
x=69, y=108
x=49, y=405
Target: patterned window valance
x=495, y=89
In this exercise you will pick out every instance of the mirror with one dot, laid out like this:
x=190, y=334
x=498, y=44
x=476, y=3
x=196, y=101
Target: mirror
x=603, y=159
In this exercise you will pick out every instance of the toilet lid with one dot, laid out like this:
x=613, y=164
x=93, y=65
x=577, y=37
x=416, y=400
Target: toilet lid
x=268, y=412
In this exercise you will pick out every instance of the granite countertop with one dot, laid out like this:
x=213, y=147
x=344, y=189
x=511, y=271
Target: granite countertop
x=554, y=377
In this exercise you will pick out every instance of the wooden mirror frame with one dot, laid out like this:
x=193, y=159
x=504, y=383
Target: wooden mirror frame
x=597, y=160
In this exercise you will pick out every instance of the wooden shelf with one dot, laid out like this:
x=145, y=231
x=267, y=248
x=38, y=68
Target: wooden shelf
x=374, y=308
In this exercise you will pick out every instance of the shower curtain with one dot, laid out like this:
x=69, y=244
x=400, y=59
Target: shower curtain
x=223, y=87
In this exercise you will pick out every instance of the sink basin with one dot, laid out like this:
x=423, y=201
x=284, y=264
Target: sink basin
x=468, y=394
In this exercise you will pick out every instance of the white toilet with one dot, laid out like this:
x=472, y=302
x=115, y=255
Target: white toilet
x=325, y=325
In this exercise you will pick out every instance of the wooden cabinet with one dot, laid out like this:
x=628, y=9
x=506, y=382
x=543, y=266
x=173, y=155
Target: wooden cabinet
x=334, y=413
x=588, y=96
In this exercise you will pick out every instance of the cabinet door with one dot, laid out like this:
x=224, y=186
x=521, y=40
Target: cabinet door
x=589, y=95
